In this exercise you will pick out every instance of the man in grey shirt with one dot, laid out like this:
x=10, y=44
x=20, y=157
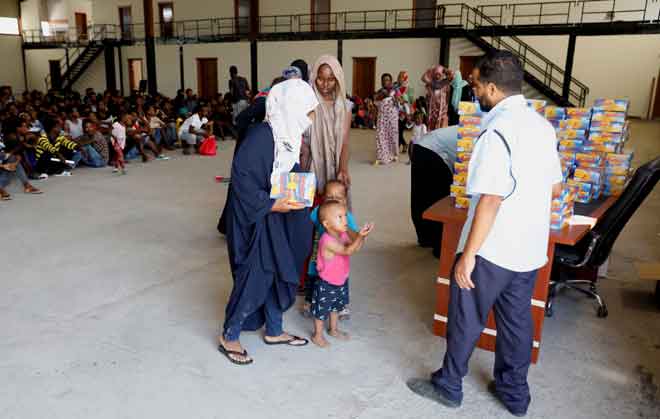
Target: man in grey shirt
x=431, y=174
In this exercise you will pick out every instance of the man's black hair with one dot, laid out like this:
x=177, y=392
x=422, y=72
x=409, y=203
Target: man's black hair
x=503, y=69
x=233, y=70
x=301, y=65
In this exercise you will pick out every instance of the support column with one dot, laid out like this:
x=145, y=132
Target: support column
x=121, y=71
x=254, y=77
x=568, y=69
x=150, y=45
x=181, y=74
x=340, y=51
x=68, y=74
x=110, y=72
x=444, y=51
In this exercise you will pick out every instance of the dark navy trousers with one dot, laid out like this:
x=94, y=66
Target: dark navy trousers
x=509, y=293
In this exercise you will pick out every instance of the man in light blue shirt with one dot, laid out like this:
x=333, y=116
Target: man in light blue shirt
x=513, y=173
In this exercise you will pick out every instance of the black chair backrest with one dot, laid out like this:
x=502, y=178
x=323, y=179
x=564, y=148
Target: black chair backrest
x=616, y=217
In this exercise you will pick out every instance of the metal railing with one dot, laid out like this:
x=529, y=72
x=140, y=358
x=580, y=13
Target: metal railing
x=64, y=64
x=572, y=12
x=533, y=62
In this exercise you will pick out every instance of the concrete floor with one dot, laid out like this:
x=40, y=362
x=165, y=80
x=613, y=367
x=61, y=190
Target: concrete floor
x=113, y=289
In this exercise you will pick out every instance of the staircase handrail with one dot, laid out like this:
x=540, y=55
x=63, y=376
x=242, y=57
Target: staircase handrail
x=522, y=49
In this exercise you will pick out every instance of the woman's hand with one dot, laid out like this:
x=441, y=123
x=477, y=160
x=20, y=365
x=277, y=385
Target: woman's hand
x=344, y=177
x=284, y=205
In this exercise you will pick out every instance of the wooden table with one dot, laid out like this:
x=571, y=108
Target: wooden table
x=453, y=219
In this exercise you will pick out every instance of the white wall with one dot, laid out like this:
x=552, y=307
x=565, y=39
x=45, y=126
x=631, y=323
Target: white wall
x=107, y=11
x=619, y=66
x=93, y=77
x=288, y=7
x=392, y=56
x=11, y=71
x=273, y=57
x=167, y=64
x=37, y=66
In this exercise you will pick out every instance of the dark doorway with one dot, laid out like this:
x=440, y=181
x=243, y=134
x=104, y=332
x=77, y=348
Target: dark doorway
x=424, y=12
x=166, y=17
x=81, y=26
x=364, y=76
x=320, y=15
x=656, y=101
x=207, y=77
x=134, y=73
x=247, y=16
x=55, y=74
x=467, y=64
x=125, y=22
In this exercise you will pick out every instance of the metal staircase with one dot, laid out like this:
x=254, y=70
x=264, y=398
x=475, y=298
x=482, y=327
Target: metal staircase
x=79, y=61
x=540, y=72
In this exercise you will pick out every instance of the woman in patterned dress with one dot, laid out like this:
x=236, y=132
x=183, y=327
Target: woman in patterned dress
x=387, y=131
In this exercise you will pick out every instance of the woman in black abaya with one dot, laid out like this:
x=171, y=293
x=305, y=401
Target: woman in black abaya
x=268, y=240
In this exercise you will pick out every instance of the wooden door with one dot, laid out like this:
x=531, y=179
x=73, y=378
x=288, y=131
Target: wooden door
x=247, y=16
x=424, y=13
x=125, y=22
x=467, y=64
x=81, y=25
x=364, y=76
x=207, y=77
x=55, y=74
x=656, y=101
x=320, y=15
x=166, y=17
x=134, y=73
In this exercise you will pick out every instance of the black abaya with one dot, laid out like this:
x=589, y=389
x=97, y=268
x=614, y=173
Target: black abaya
x=266, y=250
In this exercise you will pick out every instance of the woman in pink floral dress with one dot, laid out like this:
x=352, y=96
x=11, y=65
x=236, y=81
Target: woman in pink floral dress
x=387, y=131
x=437, y=80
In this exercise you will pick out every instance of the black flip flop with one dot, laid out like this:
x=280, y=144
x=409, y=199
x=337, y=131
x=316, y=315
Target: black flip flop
x=289, y=341
x=227, y=353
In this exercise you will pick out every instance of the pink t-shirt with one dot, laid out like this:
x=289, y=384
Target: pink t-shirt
x=334, y=271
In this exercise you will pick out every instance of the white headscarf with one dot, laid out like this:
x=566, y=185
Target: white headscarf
x=287, y=107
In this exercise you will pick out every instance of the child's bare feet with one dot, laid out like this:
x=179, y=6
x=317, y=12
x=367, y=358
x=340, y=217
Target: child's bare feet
x=319, y=340
x=338, y=334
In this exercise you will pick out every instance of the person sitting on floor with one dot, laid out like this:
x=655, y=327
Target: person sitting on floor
x=93, y=147
x=194, y=129
x=55, y=153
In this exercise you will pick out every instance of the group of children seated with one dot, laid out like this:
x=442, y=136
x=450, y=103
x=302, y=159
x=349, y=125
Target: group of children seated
x=42, y=135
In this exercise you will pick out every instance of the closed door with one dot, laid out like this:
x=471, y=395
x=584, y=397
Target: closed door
x=364, y=76
x=55, y=74
x=81, y=25
x=125, y=22
x=467, y=65
x=320, y=15
x=166, y=16
x=207, y=77
x=134, y=73
x=247, y=16
x=424, y=13
x=656, y=105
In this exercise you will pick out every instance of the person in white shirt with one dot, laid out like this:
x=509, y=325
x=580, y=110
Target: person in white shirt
x=192, y=131
x=74, y=125
x=513, y=173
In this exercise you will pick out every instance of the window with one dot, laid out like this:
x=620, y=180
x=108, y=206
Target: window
x=8, y=26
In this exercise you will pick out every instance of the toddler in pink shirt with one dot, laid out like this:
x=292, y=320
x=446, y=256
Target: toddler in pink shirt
x=333, y=265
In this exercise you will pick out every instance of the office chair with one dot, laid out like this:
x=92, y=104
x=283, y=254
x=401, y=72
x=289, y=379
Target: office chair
x=594, y=249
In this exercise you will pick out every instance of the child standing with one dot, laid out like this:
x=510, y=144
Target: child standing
x=334, y=191
x=419, y=130
x=333, y=264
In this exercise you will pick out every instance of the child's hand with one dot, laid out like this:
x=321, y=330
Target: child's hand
x=368, y=228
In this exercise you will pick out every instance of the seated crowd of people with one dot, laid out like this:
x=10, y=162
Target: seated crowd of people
x=42, y=135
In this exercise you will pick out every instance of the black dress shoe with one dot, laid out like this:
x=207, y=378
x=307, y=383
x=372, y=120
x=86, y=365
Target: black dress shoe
x=423, y=387
x=493, y=390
